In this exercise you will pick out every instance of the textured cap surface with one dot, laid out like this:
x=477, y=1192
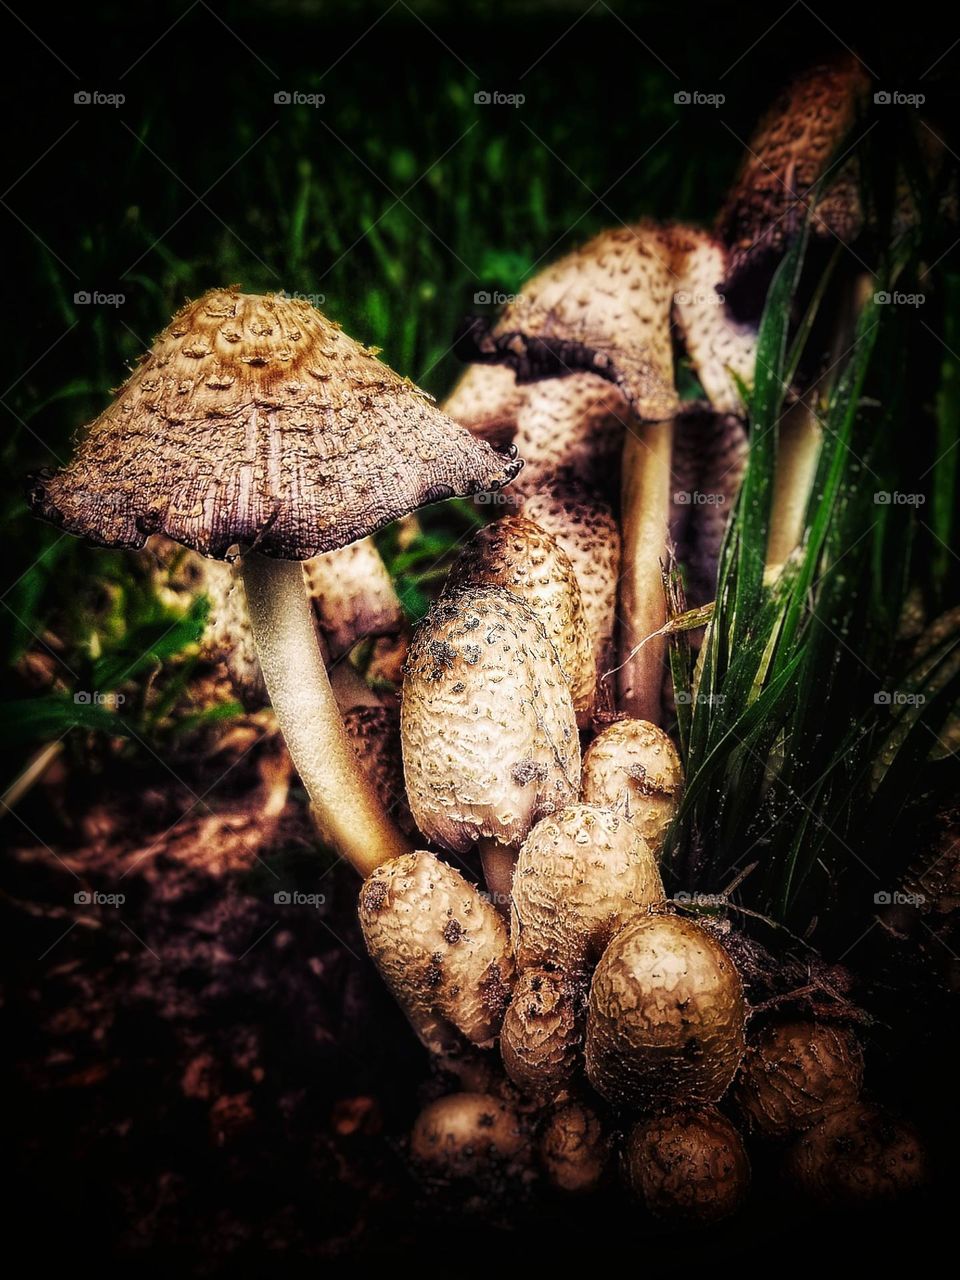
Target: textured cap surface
x=632, y=766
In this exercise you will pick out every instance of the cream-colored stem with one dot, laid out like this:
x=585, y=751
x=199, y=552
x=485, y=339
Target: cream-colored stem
x=798, y=448
x=348, y=814
x=498, y=861
x=642, y=608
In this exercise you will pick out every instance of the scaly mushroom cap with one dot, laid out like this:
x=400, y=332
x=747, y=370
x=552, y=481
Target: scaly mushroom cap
x=633, y=767
x=540, y=1036
x=720, y=348
x=790, y=151
x=255, y=420
x=353, y=596
x=857, y=1156
x=666, y=1016
x=486, y=401
x=375, y=734
x=603, y=309
x=489, y=731
x=441, y=947
x=688, y=1165
x=572, y=425
x=574, y=1149
x=796, y=1073
x=471, y=1138
x=514, y=553
x=580, y=877
x=586, y=529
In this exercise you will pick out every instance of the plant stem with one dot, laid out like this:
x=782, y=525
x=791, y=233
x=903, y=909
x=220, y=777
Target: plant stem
x=348, y=815
x=798, y=449
x=498, y=861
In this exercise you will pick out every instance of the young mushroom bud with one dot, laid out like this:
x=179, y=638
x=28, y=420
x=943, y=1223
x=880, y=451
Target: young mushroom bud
x=540, y=1036
x=441, y=947
x=471, y=1145
x=796, y=1073
x=633, y=767
x=687, y=1166
x=489, y=732
x=666, y=1016
x=574, y=1149
x=581, y=875
x=515, y=554
x=857, y=1156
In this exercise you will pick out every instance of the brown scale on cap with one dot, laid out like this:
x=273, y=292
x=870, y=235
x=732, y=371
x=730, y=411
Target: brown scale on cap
x=687, y=1166
x=255, y=420
x=580, y=877
x=540, y=1037
x=518, y=555
x=857, y=1156
x=486, y=401
x=633, y=767
x=489, y=732
x=574, y=1149
x=353, y=596
x=442, y=949
x=375, y=734
x=666, y=1016
x=789, y=152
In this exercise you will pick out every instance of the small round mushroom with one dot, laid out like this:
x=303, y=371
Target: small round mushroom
x=796, y=1073
x=665, y=1022
x=633, y=767
x=489, y=732
x=857, y=1156
x=581, y=875
x=471, y=1145
x=540, y=1037
x=255, y=421
x=442, y=949
x=687, y=1166
x=574, y=1149
x=515, y=554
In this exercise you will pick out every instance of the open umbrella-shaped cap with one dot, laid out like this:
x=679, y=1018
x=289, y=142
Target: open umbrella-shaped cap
x=254, y=420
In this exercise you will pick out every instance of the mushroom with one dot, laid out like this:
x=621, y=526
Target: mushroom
x=857, y=1156
x=470, y=1144
x=666, y=1016
x=255, y=421
x=687, y=1166
x=540, y=1036
x=442, y=949
x=486, y=401
x=489, y=732
x=634, y=768
x=515, y=554
x=374, y=731
x=353, y=596
x=574, y=1149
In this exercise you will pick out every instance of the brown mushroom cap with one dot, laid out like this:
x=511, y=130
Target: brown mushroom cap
x=254, y=420
x=489, y=732
x=353, y=596
x=666, y=1016
x=688, y=1165
x=633, y=767
x=796, y=1073
x=375, y=734
x=486, y=401
x=581, y=875
x=516, y=554
x=574, y=1149
x=857, y=1156
x=572, y=425
x=540, y=1036
x=441, y=947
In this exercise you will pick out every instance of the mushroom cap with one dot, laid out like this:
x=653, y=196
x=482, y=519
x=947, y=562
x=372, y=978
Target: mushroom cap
x=581, y=875
x=688, y=1165
x=574, y=1148
x=486, y=401
x=666, y=1016
x=857, y=1156
x=489, y=732
x=796, y=1073
x=254, y=420
x=518, y=555
x=789, y=152
x=472, y=1137
x=540, y=1036
x=633, y=767
x=441, y=947
x=374, y=732
x=353, y=596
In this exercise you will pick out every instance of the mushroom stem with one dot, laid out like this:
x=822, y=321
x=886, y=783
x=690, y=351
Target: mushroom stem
x=798, y=448
x=646, y=517
x=345, y=809
x=498, y=861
